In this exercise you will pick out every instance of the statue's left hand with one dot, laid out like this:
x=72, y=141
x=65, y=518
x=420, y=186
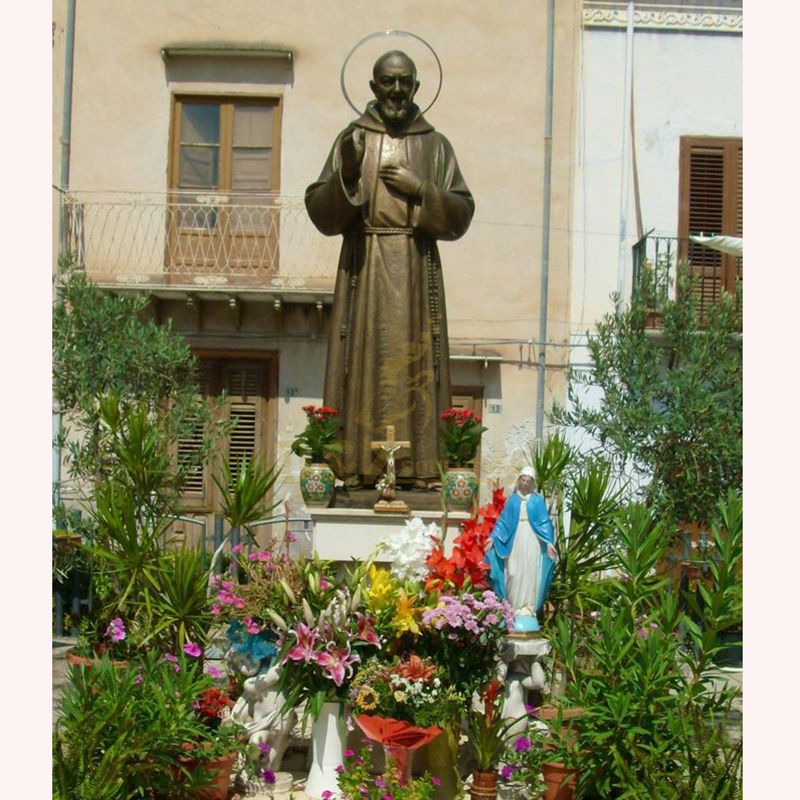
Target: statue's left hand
x=551, y=552
x=402, y=180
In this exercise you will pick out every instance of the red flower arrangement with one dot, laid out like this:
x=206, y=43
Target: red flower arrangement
x=321, y=413
x=210, y=704
x=318, y=439
x=467, y=564
x=461, y=435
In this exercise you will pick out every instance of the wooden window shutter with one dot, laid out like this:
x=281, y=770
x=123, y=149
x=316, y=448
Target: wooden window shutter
x=188, y=446
x=710, y=202
x=244, y=384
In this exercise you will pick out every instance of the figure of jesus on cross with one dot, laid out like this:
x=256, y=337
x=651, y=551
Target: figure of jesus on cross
x=387, y=482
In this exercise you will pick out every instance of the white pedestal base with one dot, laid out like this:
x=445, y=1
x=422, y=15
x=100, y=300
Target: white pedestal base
x=522, y=660
x=341, y=534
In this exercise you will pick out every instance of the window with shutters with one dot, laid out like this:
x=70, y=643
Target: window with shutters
x=247, y=385
x=710, y=203
x=225, y=164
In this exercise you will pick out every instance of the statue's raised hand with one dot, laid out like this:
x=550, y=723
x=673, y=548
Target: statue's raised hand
x=402, y=180
x=352, y=151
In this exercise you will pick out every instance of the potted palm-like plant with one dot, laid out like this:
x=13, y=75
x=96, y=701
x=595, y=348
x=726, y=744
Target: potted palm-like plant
x=315, y=444
x=461, y=433
x=488, y=733
x=153, y=718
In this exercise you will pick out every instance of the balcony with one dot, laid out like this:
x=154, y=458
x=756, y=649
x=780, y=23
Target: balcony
x=194, y=242
x=711, y=272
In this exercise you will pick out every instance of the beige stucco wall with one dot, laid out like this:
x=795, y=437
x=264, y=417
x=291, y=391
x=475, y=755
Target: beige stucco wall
x=491, y=108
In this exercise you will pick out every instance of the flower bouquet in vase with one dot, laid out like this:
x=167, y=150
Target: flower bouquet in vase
x=315, y=444
x=402, y=705
x=461, y=433
x=323, y=636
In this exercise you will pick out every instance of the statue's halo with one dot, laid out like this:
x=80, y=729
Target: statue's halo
x=378, y=34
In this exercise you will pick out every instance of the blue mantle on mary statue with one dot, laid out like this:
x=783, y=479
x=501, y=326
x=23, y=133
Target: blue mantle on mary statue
x=503, y=534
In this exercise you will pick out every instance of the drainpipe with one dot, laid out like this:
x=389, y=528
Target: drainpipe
x=624, y=192
x=66, y=128
x=545, y=275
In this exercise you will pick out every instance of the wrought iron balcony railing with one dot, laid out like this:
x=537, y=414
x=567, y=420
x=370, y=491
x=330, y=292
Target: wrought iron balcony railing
x=712, y=273
x=198, y=240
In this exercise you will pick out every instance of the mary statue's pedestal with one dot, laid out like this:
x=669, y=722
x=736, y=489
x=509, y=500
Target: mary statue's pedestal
x=522, y=672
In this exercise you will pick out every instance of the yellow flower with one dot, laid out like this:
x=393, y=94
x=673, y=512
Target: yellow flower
x=382, y=589
x=405, y=614
x=367, y=699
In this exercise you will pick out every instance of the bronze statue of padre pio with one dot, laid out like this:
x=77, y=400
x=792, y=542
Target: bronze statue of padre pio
x=391, y=187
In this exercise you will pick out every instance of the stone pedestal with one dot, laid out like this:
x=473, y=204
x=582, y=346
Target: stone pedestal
x=522, y=659
x=365, y=498
x=341, y=534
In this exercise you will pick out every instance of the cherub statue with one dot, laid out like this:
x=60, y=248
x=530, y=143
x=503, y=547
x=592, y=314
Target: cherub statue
x=258, y=710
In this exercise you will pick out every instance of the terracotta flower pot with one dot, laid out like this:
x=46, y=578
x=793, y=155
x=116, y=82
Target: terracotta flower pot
x=221, y=768
x=484, y=785
x=82, y=661
x=550, y=713
x=559, y=781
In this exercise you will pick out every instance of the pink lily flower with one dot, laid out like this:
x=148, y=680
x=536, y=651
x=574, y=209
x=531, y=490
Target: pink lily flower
x=252, y=627
x=304, y=649
x=366, y=630
x=336, y=662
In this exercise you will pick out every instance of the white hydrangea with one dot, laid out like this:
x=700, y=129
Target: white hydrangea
x=408, y=549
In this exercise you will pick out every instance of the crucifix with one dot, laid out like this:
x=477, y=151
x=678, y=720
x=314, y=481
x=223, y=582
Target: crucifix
x=386, y=484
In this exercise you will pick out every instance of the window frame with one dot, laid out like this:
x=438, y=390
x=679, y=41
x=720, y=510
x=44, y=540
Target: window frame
x=731, y=196
x=243, y=256
x=226, y=101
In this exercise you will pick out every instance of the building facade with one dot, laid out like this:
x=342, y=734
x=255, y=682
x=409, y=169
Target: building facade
x=193, y=129
x=658, y=153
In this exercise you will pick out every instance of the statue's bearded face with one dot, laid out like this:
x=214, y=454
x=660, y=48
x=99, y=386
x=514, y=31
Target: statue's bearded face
x=394, y=86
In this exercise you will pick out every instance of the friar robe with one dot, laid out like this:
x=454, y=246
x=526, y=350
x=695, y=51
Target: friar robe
x=504, y=534
x=388, y=359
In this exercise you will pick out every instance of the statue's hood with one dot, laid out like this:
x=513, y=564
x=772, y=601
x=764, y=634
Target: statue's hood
x=372, y=121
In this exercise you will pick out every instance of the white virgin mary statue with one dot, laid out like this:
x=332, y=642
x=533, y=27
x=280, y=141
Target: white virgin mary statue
x=521, y=553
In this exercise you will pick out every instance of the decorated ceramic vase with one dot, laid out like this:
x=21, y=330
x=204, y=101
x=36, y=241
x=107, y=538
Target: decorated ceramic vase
x=316, y=484
x=460, y=488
